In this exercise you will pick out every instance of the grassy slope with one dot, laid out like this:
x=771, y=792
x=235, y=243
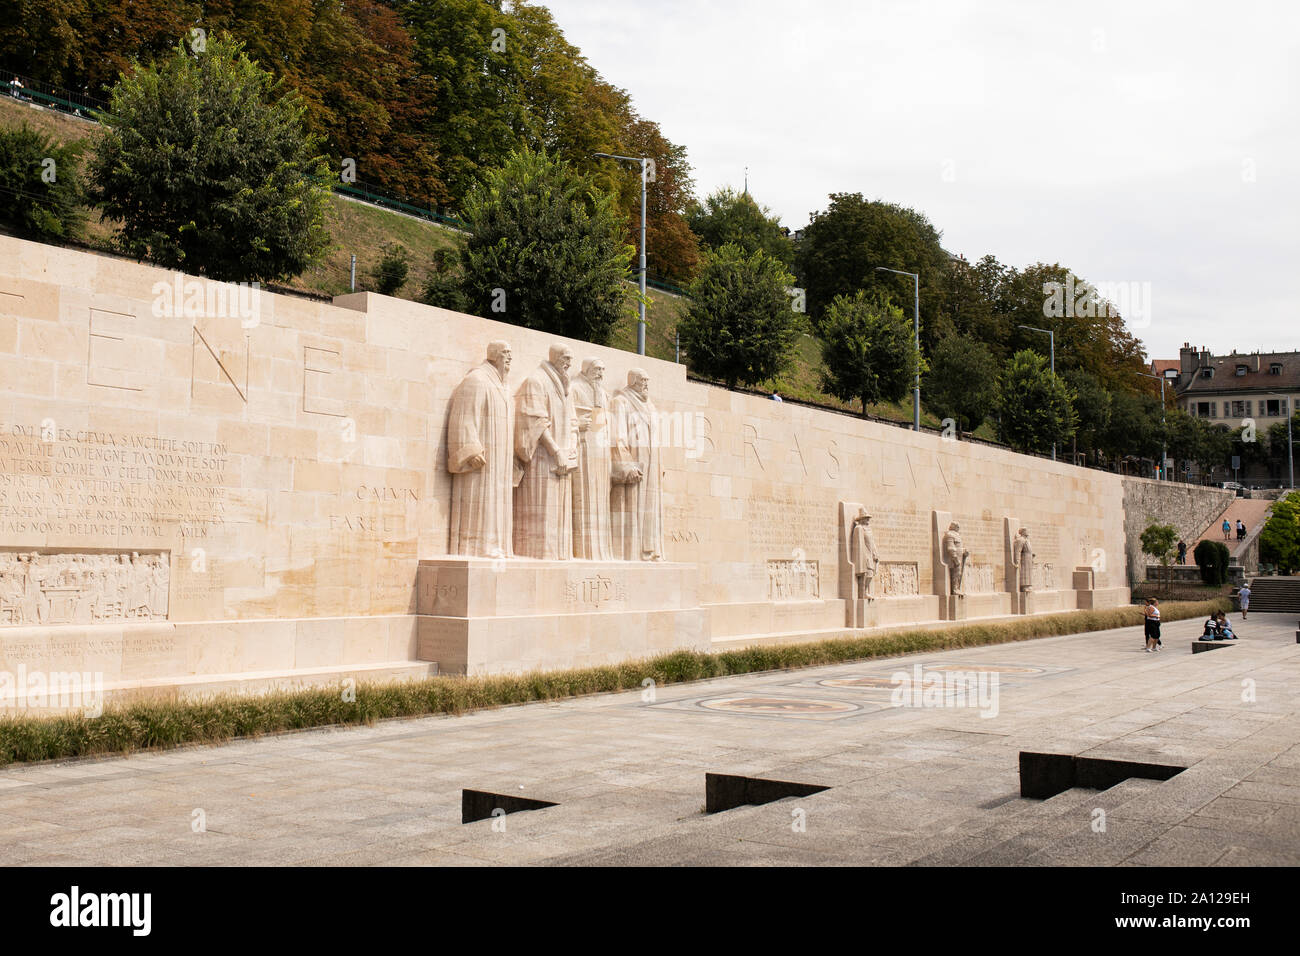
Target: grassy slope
x=364, y=230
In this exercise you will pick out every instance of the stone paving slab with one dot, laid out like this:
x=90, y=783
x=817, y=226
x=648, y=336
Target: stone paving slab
x=920, y=785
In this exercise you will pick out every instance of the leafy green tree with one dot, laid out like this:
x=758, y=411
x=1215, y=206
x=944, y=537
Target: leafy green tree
x=740, y=326
x=962, y=381
x=1134, y=429
x=209, y=169
x=843, y=245
x=1093, y=405
x=445, y=283
x=727, y=216
x=40, y=181
x=1160, y=541
x=390, y=272
x=1035, y=408
x=545, y=250
x=868, y=349
x=1279, y=542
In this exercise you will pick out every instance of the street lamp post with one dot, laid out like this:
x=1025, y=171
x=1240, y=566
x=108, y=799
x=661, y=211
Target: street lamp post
x=643, y=160
x=1051, y=337
x=1164, y=449
x=916, y=324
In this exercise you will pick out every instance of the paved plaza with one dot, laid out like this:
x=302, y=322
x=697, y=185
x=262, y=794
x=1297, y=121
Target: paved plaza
x=926, y=785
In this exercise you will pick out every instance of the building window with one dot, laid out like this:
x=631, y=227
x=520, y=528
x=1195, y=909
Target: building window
x=1242, y=369
x=1205, y=410
x=1240, y=409
x=1207, y=373
x=1275, y=368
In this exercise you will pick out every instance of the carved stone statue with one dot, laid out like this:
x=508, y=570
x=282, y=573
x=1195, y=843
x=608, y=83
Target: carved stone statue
x=546, y=455
x=1022, y=558
x=954, y=559
x=862, y=551
x=636, y=501
x=591, y=486
x=478, y=457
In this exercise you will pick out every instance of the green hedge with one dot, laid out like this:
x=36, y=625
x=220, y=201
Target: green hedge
x=142, y=725
x=1212, y=558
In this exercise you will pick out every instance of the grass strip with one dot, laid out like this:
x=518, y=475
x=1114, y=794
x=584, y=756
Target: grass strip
x=144, y=725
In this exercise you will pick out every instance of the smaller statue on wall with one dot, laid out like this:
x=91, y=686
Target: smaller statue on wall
x=863, y=554
x=954, y=558
x=1022, y=558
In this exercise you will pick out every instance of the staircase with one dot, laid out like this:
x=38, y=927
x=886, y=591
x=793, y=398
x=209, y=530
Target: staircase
x=1275, y=594
x=1252, y=511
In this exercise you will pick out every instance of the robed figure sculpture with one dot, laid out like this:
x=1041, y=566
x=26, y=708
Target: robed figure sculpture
x=592, y=539
x=478, y=457
x=636, y=501
x=545, y=458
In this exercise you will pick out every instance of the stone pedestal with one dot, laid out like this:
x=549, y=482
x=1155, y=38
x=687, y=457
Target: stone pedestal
x=485, y=616
x=954, y=608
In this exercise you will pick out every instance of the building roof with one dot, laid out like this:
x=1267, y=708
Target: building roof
x=1226, y=379
x=1160, y=366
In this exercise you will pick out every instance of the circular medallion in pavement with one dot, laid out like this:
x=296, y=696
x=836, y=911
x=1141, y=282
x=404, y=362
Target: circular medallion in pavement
x=887, y=683
x=780, y=706
x=984, y=669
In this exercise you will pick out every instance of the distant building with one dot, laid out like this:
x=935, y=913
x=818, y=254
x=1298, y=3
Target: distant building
x=1226, y=389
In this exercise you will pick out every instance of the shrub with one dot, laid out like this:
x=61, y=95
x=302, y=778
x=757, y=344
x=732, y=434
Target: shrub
x=1212, y=559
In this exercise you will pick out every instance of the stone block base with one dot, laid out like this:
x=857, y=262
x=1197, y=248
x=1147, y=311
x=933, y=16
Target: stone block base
x=480, y=616
x=771, y=617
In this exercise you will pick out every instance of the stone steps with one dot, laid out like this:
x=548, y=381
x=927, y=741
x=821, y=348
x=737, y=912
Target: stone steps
x=1275, y=594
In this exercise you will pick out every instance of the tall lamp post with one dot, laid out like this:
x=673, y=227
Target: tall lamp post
x=1164, y=456
x=1051, y=337
x=916, y=323
x=643, y=160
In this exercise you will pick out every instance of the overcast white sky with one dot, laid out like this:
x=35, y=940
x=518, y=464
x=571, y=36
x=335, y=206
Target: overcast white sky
x=1135, y=141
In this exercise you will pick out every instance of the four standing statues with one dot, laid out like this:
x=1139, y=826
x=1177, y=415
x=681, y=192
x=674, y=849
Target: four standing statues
x=576, y=473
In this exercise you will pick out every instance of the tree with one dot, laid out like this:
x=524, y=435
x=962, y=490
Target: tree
x=1279, y=542
x=740, y=326
x=1035, y=408
x=1159, y=541
x=209, y=169
x=842, y=247
x=390, y=272
x=727, y=216
x=445, y=284
x=41, y=184
x=1093, y=405
x=962, y=382
x=868, y=350
x=545, y=250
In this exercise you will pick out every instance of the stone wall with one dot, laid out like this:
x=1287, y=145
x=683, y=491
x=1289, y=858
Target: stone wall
x=1189, y=508
x=289, y=464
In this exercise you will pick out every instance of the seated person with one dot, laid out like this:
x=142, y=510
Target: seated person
x=1225, y=629
x=1211, y=629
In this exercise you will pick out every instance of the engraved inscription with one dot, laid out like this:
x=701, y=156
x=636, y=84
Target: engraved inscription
x=108, y=484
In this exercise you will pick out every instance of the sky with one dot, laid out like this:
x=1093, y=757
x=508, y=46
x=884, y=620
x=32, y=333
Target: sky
x=1151, y=146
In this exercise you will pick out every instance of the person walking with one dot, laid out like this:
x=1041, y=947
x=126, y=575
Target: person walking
x=1244, y=594
x=1227, y=530
x=1152, y=625
x=1241, y=530
x=1182, y=552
